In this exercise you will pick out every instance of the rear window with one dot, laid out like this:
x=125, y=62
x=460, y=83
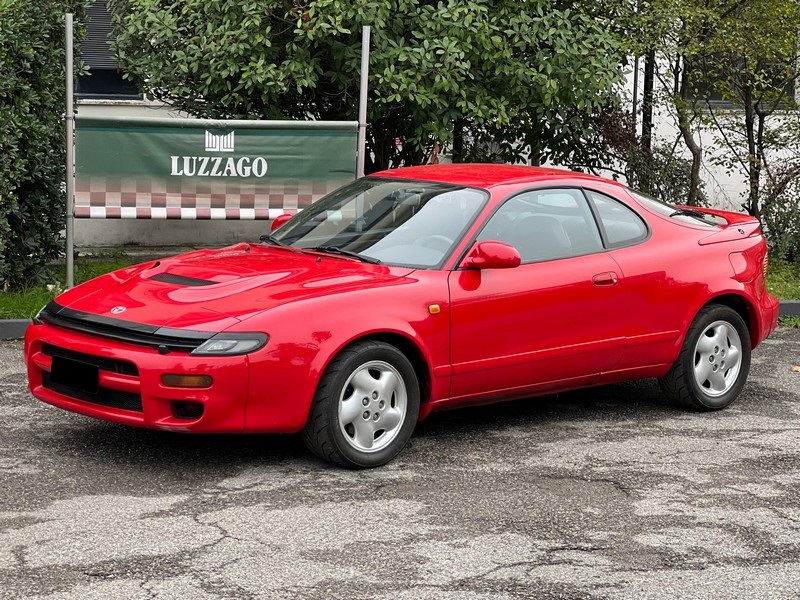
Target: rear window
x=681, y=214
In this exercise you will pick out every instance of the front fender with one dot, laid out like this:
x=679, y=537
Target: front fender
x=305, y=336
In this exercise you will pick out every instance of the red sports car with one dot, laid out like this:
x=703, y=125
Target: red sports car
x=410, y=291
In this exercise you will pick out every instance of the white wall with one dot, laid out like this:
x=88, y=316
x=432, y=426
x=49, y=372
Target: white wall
x=723, y=189
x=162, y=232
x=124, y=108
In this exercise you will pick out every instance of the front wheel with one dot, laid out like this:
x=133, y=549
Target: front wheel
x=714, y=362
x=365, y=407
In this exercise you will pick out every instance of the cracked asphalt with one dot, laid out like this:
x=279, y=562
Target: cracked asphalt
x=604, y=493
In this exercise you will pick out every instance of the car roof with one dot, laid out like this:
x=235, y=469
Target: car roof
x=484, y=175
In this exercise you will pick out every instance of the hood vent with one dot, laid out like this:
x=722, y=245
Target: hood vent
x=180, y=280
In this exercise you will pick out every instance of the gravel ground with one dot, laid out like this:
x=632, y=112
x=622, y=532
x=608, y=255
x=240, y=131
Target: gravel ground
x=604, y=493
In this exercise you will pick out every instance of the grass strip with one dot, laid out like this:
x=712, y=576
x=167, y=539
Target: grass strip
x=25, y=303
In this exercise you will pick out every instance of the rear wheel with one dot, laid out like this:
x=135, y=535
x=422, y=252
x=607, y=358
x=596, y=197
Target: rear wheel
x=365, y=407
x=714, y=362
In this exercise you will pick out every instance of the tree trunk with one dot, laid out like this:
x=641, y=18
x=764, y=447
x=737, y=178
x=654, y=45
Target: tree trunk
x=647, y=101
x=754, y=123
x=645, y=182
x=684, y=107
x=458, y=141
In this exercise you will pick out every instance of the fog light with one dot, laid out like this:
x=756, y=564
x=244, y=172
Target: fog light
x=186, y=381
x=186, y=409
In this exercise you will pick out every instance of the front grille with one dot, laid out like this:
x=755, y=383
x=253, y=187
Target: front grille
x=123, y=367
x=126, y=331
x=103, y=397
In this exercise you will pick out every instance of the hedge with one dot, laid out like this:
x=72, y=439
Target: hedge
x=32, y=135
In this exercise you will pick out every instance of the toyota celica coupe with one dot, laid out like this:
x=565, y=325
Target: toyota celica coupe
x=410, y=291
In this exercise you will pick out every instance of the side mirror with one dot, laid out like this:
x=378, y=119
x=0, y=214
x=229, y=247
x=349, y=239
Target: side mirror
x=280, y=220
x=492, y=255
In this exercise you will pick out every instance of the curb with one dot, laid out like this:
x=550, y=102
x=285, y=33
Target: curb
x=12, y=329
x=790, y=308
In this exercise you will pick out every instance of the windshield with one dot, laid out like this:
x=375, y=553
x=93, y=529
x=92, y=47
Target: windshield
x=685, y=215
x=394, y=221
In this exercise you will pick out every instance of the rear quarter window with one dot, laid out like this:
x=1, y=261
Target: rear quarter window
x=621, y=225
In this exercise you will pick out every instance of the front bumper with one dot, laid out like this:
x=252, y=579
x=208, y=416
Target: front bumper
x=128, y=387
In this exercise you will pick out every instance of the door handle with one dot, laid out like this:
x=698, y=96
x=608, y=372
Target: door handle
x=606, y=279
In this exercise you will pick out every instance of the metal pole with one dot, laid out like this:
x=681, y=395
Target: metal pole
x=362, y=102
x=70, y=117
x=635, y=91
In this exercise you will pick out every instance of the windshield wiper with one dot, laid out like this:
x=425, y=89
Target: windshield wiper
x=343, y=252
x=269, y=239
x=689, y=213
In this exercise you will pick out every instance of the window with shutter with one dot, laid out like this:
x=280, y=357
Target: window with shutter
x=104, y=79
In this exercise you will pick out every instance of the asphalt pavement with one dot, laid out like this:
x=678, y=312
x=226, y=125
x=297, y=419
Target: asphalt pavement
x=605, y=493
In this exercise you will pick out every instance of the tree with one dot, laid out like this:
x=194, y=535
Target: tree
x=743, y=52
x=32, y=135
x=779, y=196
x=666, y=33
x=526, y=77
x=752, y=62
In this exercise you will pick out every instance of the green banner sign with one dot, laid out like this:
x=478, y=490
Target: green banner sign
x=204, y=169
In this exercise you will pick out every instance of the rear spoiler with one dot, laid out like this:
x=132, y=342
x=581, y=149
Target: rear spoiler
x=740, y=225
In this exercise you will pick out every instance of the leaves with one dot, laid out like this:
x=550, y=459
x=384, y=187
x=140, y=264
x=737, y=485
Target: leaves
x=515, y=69
x=744, y=53
x=32, y=135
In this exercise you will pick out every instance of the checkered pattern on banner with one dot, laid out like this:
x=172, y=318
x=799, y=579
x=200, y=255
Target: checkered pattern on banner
x=122, y=198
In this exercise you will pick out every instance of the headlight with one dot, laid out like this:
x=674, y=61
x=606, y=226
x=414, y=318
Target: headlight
x=231, y=344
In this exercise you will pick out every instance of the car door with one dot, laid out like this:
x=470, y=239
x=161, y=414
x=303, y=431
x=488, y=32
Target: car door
x=656, y=296
x=556, y=320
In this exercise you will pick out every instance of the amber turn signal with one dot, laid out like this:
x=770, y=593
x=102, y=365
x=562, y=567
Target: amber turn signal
x=186, y=381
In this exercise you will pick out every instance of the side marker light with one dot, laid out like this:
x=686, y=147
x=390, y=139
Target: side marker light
x=186, y=381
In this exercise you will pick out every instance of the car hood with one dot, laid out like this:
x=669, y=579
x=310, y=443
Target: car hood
x=213, y=289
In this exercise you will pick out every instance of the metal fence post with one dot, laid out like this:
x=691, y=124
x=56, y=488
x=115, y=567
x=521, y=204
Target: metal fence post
x=70, y=174
x=362, y=101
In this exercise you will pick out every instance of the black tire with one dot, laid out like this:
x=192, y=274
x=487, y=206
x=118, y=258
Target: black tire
x=714, y=362
x=367, y=385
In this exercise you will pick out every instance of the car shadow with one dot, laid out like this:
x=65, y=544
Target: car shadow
x=185, y=453
x=640, y=399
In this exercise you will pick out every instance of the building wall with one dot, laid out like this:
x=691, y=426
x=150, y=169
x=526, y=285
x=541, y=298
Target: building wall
x=724, y=189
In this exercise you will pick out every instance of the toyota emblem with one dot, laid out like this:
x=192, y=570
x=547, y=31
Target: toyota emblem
x=118, y=310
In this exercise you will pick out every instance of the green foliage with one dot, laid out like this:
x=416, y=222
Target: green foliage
x=32, y=135
x=751, y=59
x=780, y=214
x=744, y=51
x=783, y=279
x=661, y=174
x=793, y=322
x=530, y=76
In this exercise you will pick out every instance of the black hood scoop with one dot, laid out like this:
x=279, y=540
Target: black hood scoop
x=181, y=280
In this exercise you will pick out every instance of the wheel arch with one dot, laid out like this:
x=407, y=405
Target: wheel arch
x=411, y=351
x=743, y=308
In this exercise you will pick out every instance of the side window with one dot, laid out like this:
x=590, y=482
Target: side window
x=621, y=225
x=545, y=225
